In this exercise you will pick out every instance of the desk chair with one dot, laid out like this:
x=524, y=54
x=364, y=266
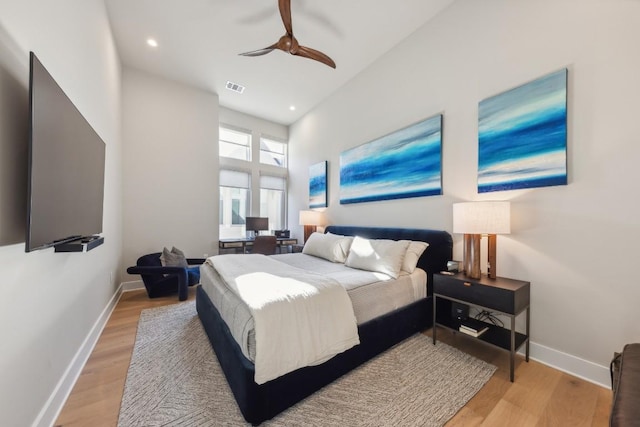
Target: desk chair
x=264, y=245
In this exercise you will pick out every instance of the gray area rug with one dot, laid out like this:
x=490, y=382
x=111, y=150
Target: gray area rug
x=174, y=379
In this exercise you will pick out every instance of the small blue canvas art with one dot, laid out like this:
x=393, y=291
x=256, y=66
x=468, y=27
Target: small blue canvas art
x=522, y=136
x=318, y=185
x=406, y=163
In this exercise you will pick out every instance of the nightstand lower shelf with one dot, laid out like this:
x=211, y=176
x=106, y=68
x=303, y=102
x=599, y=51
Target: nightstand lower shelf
x=495, y=335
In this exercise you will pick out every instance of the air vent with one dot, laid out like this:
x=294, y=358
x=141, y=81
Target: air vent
x=235, y=87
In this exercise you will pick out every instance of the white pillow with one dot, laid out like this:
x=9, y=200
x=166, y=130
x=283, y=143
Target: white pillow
x=383, y=256
x=331, y=247
x=414, y=251
x=345, y=243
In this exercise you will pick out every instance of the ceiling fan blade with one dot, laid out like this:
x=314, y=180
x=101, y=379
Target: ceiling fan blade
x=260, y=52
x=285, y=13
x=316, y=55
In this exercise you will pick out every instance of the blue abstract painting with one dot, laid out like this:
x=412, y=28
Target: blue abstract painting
x=318, y=185
x=523, y=136
x=406, y=163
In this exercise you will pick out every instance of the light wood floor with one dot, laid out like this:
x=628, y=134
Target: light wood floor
x=540, y=396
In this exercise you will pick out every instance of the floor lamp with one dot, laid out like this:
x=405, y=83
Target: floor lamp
x=310, y=220
x=473, y=219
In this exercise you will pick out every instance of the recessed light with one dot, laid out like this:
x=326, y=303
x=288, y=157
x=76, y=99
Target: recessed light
x=292, y=108
x=152, y=42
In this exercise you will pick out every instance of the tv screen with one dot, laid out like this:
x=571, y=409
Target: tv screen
x=66, y=166
x=255, y=223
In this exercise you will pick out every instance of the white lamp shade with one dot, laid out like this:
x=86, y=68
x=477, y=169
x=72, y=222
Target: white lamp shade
x=311, y=218
x=482, y=218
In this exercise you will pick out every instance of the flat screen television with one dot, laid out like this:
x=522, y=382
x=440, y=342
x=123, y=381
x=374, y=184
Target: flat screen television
x=255, y=224
x=66, y=166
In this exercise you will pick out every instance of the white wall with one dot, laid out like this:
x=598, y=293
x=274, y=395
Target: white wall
x=51, y=302
x=572, y=242
x=170, y=167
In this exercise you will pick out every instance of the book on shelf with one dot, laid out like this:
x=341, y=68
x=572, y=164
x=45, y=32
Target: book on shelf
x=472, y=332
x=473, y=327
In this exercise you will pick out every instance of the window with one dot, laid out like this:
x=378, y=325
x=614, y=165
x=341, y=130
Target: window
x=238, y=213
x=235, y=144
x=235, y=201
x=273, y=153
x=272, y=201
x=253, y=180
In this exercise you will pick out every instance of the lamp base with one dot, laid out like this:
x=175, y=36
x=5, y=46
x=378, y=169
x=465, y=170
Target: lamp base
x=471, y=256
x=308, y=230
x=491, y=256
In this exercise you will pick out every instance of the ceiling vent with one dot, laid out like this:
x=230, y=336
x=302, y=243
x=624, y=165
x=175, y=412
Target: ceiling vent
x=235, y=87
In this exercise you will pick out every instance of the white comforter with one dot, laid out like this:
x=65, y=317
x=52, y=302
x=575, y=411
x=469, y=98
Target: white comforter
x=301, y=318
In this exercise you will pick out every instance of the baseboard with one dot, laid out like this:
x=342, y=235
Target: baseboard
x=49, y=413
x=132, y=286
x=570, y=364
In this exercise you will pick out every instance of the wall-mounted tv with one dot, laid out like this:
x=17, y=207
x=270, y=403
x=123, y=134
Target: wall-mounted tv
x=66, y=167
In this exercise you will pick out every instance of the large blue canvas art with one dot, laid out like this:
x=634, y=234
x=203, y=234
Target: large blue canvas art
x=318, y=185
x=406, y=163
x=523, y=136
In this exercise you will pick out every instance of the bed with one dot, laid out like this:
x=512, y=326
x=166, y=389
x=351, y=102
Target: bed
x=260, y=402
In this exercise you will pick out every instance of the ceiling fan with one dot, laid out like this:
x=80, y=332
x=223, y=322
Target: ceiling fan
x=288, y=42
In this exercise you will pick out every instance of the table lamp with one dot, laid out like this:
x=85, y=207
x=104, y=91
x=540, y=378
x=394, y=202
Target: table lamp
x=473, y=219
x=310, y=220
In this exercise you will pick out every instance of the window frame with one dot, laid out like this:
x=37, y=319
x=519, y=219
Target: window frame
x=285, y=199
x=285, y=154
x=255, y=169
x=222, y=225
x=247, y=147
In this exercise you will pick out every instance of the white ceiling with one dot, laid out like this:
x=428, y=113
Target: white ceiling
x=199, y=42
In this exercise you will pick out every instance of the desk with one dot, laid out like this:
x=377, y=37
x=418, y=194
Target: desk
x=241, y=244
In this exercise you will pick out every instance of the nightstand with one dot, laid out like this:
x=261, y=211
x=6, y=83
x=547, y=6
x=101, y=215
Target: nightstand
x=296, y=248
x=504, y=296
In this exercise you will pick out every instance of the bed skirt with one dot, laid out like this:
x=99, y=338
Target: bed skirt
x=262, y=402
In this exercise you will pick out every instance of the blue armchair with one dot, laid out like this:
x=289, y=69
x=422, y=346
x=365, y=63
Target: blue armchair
x=161, y=281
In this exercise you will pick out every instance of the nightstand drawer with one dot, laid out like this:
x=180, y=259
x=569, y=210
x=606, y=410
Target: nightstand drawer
x=505, y=295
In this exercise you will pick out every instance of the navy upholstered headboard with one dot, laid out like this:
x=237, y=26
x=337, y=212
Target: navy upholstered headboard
x=434, y=259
